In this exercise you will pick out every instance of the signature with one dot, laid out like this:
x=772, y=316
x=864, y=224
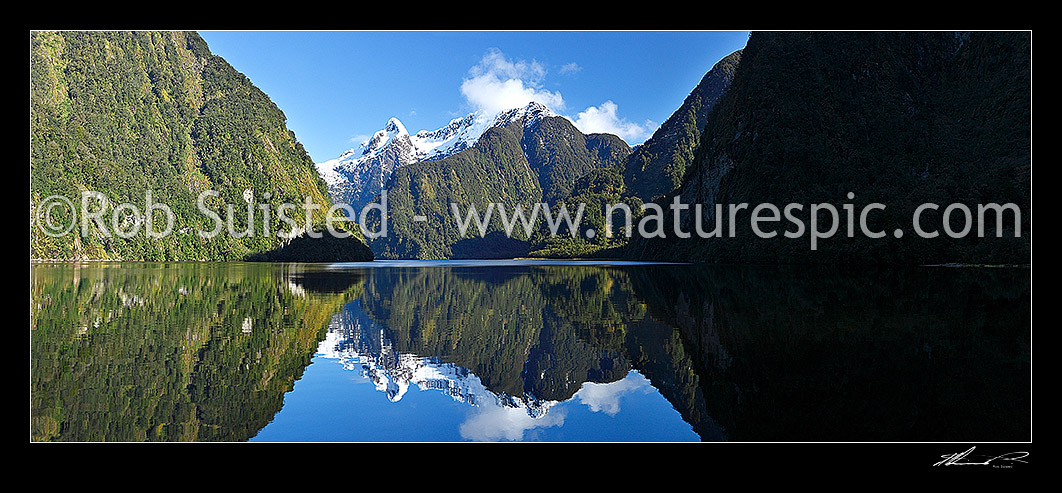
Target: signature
x=960, y=459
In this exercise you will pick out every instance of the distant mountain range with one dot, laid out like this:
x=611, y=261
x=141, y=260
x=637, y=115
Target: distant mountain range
x=520, y=157
x=561, y=171
x=358, y=175
x=652, y=170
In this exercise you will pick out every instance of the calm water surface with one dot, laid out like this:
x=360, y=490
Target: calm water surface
x=527, y=351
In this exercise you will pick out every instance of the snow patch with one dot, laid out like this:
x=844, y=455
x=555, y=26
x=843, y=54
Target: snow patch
x=363, y=171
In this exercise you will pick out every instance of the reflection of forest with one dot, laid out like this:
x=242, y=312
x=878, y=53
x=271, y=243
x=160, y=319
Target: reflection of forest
x=206, y=352
x=171, y=352
x=536, y=332
x=789, y=353
x=743, y=353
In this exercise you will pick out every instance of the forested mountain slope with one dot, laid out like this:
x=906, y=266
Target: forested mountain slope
x=128, y=113
x=530, y=159
x=899, y=119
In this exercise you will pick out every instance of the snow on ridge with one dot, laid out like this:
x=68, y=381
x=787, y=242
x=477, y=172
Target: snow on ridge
x=394, y=130
x=328, y=171
x=361, y=172
x=457, y=135
x=462, y=133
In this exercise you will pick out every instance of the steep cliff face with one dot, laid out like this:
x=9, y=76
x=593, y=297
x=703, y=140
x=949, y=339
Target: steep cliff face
x=657, y=166
x=899, y=119
x=127, y=113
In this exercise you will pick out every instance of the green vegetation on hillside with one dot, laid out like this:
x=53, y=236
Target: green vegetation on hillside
x=125, y=113
x=492, y=171
x=652, y=169
x=596, y=192
x=510, y=166
x=657, y=166
x=894, y=118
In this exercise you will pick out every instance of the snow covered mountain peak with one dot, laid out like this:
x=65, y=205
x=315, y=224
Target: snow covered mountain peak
x=394, y=131
x=532, y=112
x=358, y=175
x=393, y=125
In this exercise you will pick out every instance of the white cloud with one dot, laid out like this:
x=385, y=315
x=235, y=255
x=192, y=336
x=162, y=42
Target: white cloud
x=604, y=119
x=497, y=83
x=605, y=397
x=495, y=423
x=569, y=68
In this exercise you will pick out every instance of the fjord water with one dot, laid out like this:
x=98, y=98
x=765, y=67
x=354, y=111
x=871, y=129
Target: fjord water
x=528, y=351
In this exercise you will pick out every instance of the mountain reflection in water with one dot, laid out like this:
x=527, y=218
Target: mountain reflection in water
x=529, y=351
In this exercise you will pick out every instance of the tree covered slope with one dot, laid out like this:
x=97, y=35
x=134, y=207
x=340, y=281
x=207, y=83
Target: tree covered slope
x=523, y=163
x=128, y=113
x=899, y=119
x=657, y=166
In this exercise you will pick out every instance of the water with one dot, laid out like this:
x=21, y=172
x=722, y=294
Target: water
x=533, y=351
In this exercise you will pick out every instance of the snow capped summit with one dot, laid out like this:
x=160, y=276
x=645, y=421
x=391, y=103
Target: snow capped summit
x=358, y=175
x=531, y=113
x=394, y=131
x=393, y=125
x=462, y=133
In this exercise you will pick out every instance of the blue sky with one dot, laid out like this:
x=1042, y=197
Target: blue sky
x=338, y=87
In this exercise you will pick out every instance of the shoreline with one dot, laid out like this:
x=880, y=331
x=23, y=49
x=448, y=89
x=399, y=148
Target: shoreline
x=538, y=261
